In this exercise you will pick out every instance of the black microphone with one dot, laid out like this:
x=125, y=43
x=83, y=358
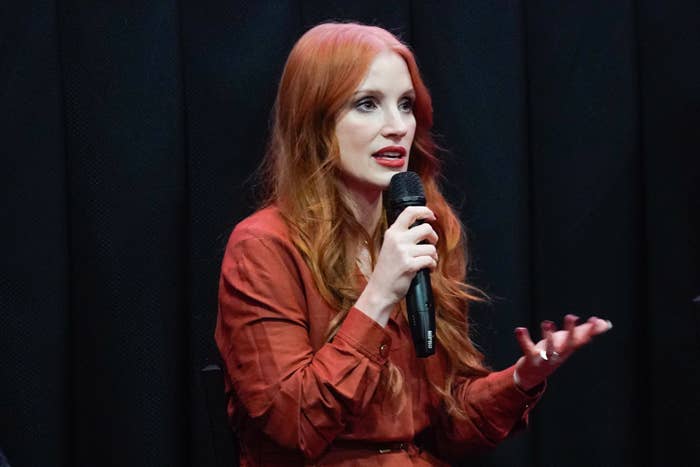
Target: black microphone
x=406, y=189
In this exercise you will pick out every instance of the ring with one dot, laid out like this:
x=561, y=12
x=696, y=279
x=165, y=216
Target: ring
x=549, y=355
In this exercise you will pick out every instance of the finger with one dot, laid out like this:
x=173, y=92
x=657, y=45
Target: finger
x=599, y=326
x=583, y=333
x=411, y=214
x=570, y=321
x=433, y=265
x=526, y=345
x=422, y=232
x=547, y=328
x=422, y=262
x=425, y=250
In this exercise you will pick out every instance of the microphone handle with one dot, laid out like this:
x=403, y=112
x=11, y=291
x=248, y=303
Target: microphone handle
x=419, y=299
x=421, y=316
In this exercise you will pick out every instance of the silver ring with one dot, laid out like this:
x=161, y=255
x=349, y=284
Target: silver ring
x=549, y=355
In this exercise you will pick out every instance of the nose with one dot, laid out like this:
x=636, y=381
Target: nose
x=395, y=125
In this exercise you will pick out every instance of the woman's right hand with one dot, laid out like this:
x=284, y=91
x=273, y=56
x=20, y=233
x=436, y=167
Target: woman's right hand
x=400, y=258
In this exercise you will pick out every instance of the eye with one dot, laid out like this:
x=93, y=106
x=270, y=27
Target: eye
x=366, y=104
x=406, y=105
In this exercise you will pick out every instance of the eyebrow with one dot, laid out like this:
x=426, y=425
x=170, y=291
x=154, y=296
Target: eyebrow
x=409, y=92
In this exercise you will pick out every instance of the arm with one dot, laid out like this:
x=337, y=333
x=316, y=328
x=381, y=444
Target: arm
x=500, y=402
x=301, y=399
x=298, y=393
x=494, y=407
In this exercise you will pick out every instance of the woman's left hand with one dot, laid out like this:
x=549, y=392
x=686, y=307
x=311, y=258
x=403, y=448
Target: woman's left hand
x=542, y=359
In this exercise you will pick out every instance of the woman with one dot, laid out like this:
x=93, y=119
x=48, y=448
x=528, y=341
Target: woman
x=319, y=360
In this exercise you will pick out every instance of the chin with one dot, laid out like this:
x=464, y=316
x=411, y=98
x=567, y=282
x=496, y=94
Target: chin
x=382, y=183
x=370, y=183
x=386, y=177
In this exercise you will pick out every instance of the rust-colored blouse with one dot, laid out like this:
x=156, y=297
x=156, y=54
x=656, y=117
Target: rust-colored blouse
x=296, y=399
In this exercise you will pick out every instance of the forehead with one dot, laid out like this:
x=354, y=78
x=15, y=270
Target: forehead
x=388, y=71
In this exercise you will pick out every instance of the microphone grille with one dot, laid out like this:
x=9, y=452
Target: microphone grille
x=405, y=185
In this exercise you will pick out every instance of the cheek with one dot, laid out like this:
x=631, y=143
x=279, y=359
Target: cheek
x=412, y=128
x=354, y=134
x=348, y=145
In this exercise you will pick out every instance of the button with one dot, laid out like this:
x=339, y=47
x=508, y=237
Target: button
x=384, y=350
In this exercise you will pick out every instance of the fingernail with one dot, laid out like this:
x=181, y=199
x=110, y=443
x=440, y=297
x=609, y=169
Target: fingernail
x=609, y=324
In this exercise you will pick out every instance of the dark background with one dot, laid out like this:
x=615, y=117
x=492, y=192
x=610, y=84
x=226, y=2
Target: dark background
x=129, y=131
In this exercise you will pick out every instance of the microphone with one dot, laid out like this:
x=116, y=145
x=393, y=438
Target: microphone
x=406, y=189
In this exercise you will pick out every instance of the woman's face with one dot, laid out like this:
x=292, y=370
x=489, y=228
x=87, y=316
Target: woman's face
x=376, y=130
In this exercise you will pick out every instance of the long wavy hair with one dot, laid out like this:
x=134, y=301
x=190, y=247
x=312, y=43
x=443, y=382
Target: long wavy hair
x=300, y=171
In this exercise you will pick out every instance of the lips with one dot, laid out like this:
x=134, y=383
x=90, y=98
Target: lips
x=390, y=156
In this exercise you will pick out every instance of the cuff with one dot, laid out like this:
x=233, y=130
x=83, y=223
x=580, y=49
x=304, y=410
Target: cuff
x=509, y=397
x=366, y=335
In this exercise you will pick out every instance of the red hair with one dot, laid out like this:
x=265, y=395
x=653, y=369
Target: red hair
x=323, y=70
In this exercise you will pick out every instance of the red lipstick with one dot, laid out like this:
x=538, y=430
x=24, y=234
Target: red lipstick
x=390, y=156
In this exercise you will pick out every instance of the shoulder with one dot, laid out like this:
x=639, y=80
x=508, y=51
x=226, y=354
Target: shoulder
x=261, y=238
x=267, y=223
x=261, y=256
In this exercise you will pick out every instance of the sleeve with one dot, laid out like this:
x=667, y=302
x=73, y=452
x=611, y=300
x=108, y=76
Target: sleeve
x=299, y=398
x=495, y=407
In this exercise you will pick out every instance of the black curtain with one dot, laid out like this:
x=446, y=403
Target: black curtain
x=130, y=131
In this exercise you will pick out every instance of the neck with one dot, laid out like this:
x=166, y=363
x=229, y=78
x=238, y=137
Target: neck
x=366, y=206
